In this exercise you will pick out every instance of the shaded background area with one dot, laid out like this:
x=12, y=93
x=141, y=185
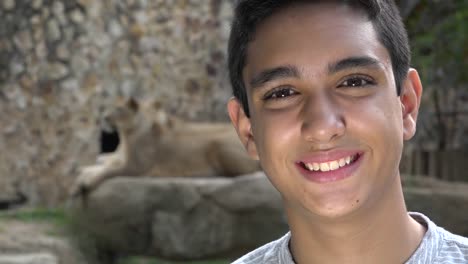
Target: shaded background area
x=438, y=32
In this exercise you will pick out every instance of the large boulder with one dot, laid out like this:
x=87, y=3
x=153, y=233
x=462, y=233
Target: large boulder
x=178, y=218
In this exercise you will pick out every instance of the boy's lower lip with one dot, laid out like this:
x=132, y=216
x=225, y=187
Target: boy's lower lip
x=330, y=176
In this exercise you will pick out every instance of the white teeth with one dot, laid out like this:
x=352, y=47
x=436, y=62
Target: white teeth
x=342, y=162
x=324, y=167
x=330, y=166
x=334, y=165
x=316, y=166
x=348, y=160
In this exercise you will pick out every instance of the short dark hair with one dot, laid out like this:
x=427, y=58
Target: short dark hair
x=383, y=14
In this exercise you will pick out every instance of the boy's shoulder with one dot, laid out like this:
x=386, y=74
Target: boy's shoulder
x=276, y=252
x=439, y=245
x=454, y=248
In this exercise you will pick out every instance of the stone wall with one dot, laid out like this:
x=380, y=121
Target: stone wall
x=63, y=63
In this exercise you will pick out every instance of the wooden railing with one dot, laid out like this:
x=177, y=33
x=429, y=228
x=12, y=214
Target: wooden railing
x=449, y=165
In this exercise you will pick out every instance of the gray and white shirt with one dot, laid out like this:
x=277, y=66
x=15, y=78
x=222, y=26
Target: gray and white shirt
x=437, y=247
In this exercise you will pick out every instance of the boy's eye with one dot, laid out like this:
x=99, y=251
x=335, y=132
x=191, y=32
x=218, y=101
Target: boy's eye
x=356, y=81
x=279, y=93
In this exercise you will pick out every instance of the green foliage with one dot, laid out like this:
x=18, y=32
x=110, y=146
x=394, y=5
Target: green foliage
x=56, y=216
x=439, y=36
x=438, y=32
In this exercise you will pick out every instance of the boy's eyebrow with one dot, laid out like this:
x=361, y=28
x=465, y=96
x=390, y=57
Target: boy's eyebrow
x=354, y=62
x=273, y=74
x=291, y=71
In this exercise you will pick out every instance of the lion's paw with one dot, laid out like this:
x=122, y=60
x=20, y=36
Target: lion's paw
x=87, y=179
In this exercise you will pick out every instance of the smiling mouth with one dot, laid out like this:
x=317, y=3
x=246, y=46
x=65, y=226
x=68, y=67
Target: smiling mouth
x=330, y=165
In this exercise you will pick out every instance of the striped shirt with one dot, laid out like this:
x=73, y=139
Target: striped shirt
x=437, y=247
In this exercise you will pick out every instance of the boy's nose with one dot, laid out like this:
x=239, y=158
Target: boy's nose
x=323, y=120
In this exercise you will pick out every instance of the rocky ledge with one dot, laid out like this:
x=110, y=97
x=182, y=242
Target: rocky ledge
x=180, y=219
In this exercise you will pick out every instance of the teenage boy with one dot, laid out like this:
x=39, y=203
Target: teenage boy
x=324, y=98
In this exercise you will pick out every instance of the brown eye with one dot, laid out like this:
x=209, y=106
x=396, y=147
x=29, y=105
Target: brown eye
x=356, y=81
x=279, y=93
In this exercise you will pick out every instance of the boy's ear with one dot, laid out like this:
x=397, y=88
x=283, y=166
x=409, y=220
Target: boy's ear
x=410, y=98
x=242, y=124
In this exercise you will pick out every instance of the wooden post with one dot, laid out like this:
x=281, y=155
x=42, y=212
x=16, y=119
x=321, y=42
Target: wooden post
x=433, y=164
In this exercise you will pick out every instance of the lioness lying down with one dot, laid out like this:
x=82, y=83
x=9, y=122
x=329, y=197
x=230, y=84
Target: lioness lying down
x=153, y=143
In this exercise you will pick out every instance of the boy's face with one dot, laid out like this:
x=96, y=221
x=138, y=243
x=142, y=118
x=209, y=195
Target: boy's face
x=326, y=121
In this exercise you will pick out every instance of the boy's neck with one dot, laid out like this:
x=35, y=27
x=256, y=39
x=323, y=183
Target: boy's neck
x=381, y=233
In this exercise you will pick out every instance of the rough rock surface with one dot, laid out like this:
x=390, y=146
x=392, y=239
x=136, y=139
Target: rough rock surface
x=36, y=243
x=34, y=258
x=200, y=218
x=180, y=218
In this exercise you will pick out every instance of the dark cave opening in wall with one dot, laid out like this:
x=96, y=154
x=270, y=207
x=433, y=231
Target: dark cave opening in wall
x=109, y=141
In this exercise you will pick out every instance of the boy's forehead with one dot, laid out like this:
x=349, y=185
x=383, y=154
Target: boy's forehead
x=321, y=11
x=317, y=34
